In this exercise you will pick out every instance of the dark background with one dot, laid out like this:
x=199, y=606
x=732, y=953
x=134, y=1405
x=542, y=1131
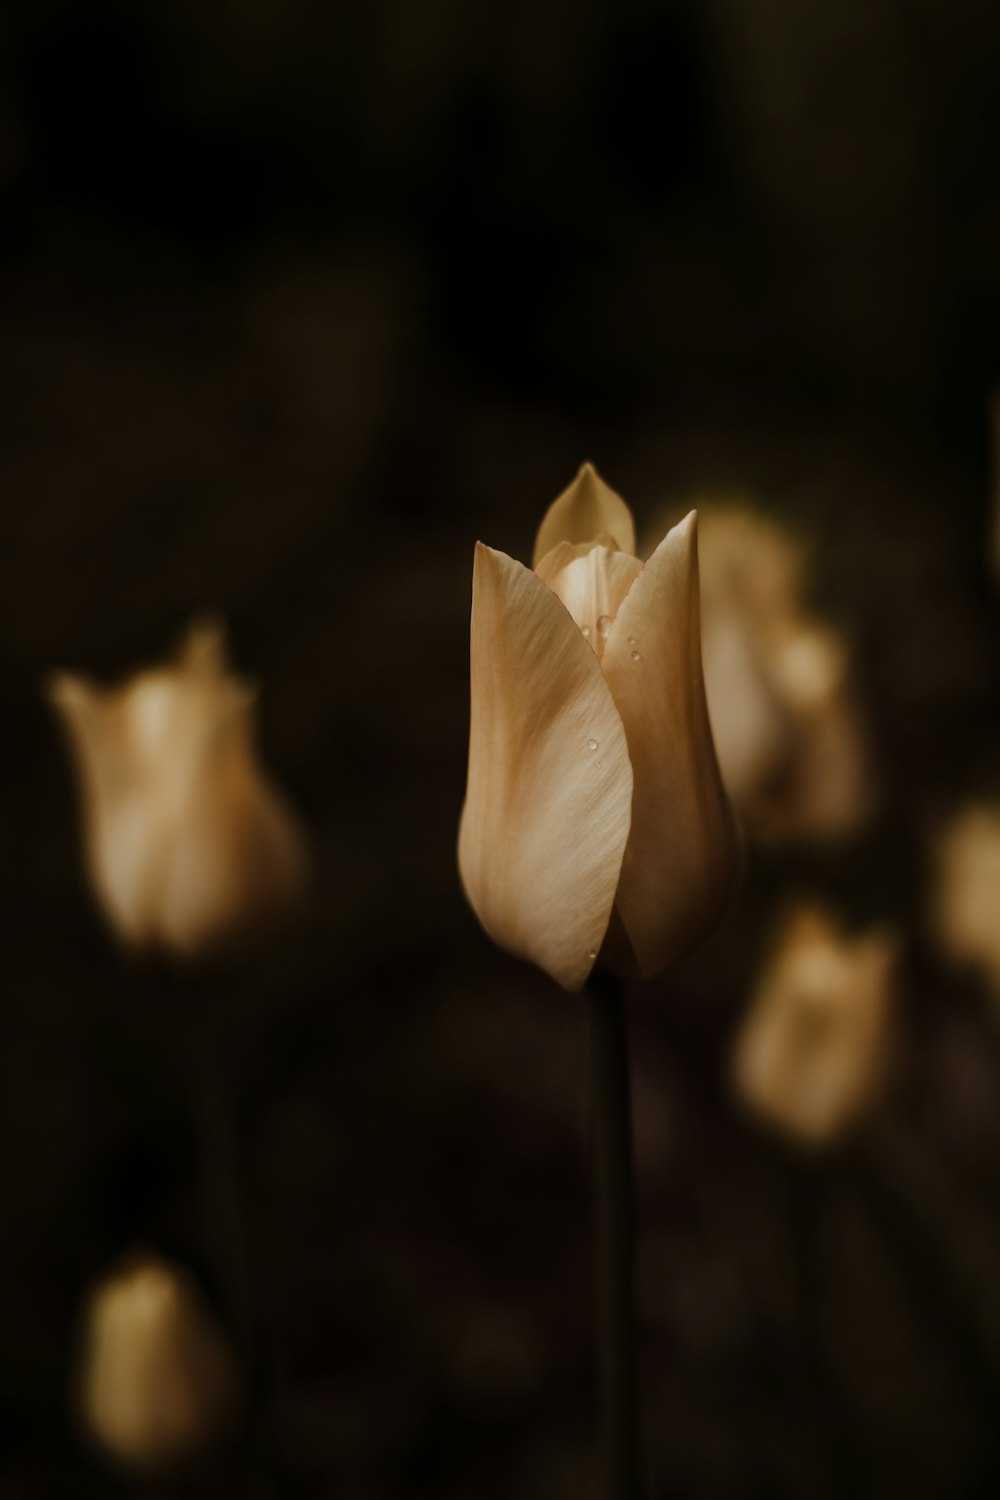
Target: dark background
x=295, y=303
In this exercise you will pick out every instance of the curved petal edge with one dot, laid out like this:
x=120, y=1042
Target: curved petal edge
x=584, y=510
x=548, y=804
x=683, y=855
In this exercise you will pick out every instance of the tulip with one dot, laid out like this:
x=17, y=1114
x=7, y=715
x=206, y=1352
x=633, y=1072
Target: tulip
x=966, y=899
x=156, y=1380
x=780, y=693
x=188, y=846
x=812, y=1053
x=595, y=821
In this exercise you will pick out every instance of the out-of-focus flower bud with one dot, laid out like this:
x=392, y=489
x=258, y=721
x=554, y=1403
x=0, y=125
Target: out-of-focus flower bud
x=781, y=701
x=966, y=910
x=156, y=1382
x=595, y=819
x=188, y=845
x=812, y=1052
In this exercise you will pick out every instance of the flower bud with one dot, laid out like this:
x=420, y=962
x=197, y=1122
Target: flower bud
x=812, y=1053
x=156, y=1380
x=188, y=845
x=966, y=909
x=780, y=693
x=595, y=821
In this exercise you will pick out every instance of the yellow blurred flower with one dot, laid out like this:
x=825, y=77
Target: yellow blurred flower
x=812, y=1052
x=966, y=900
x=156, y=1380
x=781, y=700
x=595, y=819
x=188, y=845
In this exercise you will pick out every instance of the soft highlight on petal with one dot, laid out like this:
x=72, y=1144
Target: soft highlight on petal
x=683, y=857
x=548, y=804
x=584, y=510
x=592, y=581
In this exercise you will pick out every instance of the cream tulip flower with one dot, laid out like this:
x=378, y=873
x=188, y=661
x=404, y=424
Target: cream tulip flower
x=780, y=688
x=812, y=1053
x=595, y=821
x=966, y=894
x=156, y=1380
x=188, y=845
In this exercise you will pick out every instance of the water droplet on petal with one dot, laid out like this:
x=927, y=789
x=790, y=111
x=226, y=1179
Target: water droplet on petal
x=635, y=656
x=591, y=953
x=604, y=626
x=585, y=632
x=591, y=744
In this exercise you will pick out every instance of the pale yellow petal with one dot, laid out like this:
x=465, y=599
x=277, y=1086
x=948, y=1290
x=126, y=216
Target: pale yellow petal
x=564, y=552
x=683, y=853
x=188, y=845
x=811, y=1053
x=547, y=809
x=203, y=648
x=69, y=694
x=584, y=510
x=591, y=580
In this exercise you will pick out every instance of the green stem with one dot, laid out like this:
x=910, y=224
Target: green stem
x=615, y=1213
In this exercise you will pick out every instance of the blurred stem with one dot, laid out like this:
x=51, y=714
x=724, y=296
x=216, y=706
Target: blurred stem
x=217, y=1145
x=808, y=1185
x=615, y=1214
x=945, y=1290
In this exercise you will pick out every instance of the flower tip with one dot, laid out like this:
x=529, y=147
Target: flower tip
x=204, y=643
x=64, y=691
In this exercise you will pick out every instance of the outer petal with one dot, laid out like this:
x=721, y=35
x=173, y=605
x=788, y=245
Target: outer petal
x=549, y=797
x=683, y=853
x=584, y=510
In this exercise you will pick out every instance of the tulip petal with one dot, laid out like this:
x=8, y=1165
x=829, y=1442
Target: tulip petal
x=591, y=580
x=549, y=797
x=584, y=510
x=683, y=853
x=203, y=648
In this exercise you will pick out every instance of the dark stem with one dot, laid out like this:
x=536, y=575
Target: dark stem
x=947, y=1291
x=809, y=1185
x=615, y=1215
x=222, y=1199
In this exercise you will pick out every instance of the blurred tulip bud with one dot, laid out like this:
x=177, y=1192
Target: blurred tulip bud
x=780, y=696
x=188, y=845
x=812, y=1053
x=966, y=912
x=595, y=820
x=157, y=1382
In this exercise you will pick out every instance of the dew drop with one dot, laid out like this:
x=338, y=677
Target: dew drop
x=592, y=953
x=635, y=656
x=604, y=626
x=585, y=632
x=591, y=744
x=631, y=640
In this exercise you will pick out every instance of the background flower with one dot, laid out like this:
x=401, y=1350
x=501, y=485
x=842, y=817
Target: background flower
x=298, y=301
x=188, y=845
x=156, y=1381
x=812, y=1053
